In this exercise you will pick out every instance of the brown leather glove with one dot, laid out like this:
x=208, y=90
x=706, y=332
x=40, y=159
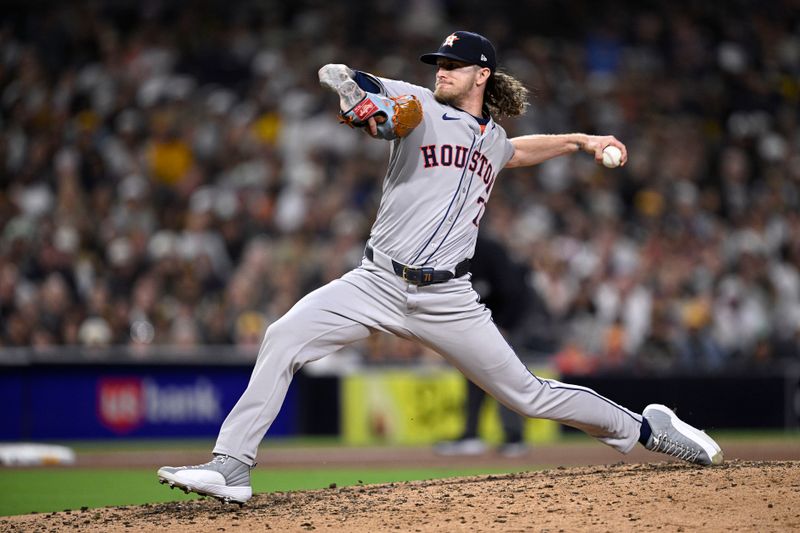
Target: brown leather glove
x=401, y=114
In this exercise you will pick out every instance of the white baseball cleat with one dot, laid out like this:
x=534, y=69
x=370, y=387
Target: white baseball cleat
x=675, y=437
x=224, y=478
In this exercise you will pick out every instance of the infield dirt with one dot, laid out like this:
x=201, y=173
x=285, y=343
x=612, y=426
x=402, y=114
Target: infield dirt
x=737, y=496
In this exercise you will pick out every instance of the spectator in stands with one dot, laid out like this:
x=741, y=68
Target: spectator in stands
x=129, y=150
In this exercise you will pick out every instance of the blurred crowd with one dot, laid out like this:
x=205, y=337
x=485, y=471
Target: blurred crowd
x=172, y=173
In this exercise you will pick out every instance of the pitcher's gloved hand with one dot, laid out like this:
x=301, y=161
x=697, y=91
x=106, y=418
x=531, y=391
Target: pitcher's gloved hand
x=393, y=117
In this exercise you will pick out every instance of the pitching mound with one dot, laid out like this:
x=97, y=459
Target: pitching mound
x=740, y=495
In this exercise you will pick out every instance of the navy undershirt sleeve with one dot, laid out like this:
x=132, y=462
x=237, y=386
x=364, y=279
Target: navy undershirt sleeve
x=367, y=83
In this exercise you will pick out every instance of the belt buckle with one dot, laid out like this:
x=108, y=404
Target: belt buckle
x=420, y=276
x=406, y=270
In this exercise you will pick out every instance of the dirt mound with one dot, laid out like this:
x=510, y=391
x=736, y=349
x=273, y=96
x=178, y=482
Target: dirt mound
x=739, y=495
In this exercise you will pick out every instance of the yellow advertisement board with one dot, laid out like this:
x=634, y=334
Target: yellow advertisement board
x=421, y=406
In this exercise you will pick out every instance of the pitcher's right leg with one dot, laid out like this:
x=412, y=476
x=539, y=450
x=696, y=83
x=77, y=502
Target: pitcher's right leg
x=337, y=314
x=321, y=323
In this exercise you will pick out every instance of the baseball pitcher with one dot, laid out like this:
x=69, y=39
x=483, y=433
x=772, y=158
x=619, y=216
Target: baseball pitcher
x=446, y=154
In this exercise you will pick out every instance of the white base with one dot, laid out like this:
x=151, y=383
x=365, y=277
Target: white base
x=32, y=454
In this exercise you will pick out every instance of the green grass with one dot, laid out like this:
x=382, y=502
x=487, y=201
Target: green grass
x=192, y=444
x=25, y=491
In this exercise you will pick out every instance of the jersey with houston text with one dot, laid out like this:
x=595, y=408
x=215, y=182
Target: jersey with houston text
x=437, y=183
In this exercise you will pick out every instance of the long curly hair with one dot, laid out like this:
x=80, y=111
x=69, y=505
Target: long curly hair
x=505, y=95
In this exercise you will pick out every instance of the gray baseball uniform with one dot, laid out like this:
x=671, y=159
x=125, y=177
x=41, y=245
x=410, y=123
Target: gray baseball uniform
x=435, y=191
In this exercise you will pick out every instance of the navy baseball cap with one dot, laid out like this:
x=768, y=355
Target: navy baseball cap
x=465, y=46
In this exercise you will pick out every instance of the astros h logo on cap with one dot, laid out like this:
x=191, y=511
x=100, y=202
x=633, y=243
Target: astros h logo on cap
x=465, y=46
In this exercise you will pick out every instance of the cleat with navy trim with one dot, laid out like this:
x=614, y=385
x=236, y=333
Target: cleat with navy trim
x=224, y=478
x=672, y=436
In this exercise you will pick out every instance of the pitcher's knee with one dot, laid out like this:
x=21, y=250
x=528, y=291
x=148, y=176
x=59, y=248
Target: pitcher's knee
x=287, y=329
x=282, y=340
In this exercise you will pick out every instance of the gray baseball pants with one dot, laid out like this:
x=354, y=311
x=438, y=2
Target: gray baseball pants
x=445, y=317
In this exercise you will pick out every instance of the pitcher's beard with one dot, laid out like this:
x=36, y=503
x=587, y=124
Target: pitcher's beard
x=447, y=99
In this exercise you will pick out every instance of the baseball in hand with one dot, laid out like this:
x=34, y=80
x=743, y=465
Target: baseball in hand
x=612, y=156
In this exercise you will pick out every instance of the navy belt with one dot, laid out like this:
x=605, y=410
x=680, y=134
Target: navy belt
x=425, y=275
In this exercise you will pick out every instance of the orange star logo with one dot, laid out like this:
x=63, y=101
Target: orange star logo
x=450, y=40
